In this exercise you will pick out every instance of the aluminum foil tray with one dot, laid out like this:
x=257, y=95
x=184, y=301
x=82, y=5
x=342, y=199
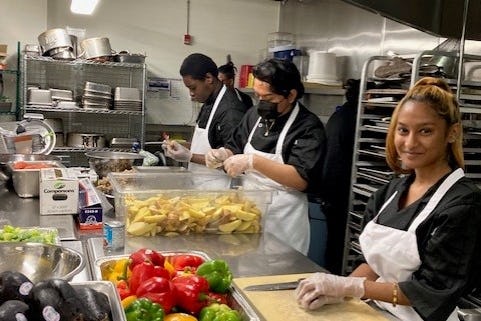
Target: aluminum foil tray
x=235, y=299
x=108, y=289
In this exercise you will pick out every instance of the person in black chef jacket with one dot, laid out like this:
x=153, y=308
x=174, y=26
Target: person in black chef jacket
x=220, y=113
x=422, y=242
x=279, y=144
x=336, y=176
x=227, y=76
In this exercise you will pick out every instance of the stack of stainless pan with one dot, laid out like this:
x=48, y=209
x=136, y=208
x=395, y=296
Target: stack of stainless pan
x=97, y=96
x=126, y=98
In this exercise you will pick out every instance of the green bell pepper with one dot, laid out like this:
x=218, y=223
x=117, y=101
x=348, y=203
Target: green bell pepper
x=219, y=312
x=144, y=310
x=217, y=273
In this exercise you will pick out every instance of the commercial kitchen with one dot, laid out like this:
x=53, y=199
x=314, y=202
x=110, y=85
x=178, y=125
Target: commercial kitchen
x=84, y=111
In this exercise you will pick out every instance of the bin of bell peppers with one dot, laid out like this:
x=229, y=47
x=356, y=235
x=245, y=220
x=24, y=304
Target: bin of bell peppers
x=157, y=287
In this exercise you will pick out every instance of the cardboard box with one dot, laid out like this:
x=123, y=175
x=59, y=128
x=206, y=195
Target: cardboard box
x=59, y=191
x=90, y=206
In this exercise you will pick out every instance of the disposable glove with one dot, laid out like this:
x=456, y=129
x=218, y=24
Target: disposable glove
x=317, y=289
x=176, y=151
x=216, y=157
x=238, y=164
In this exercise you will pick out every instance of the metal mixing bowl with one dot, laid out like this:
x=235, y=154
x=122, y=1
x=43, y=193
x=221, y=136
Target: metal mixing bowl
x=105, y=162
x=40, y=261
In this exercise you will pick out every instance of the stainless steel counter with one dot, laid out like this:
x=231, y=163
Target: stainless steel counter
x=247, y=254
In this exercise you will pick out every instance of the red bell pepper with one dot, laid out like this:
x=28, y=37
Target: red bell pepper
x=159, y=290
x=143, y=272
x=146, y=255
x=220, y=298
x=191, y=292
x=186, y=262
x=123, y=289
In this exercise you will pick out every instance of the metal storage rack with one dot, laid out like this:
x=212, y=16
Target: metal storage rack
x=370, y=170
x=46, y=73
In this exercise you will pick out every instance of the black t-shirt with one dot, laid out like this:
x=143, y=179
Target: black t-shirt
x=304, y=145
x=227, y=117
x=245, y=98
x=449, y=243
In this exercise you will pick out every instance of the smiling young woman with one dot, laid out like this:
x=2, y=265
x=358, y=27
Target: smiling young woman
x=422, y=240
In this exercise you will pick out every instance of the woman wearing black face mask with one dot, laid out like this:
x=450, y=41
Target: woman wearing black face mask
x=279, y=144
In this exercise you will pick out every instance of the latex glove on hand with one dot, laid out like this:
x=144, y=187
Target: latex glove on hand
x=216, y=157
x=238, y=164
x=323, y=288
x=176, y=151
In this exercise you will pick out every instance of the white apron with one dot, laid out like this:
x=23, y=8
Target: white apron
x=393, y=254
x=200, y=145
x=287, y=214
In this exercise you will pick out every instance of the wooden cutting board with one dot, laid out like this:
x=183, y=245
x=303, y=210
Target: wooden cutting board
x=281, y=305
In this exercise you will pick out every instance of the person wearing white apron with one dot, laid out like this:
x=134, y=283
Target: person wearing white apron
x=279, y=145
x=422, y=240
x=220, y=113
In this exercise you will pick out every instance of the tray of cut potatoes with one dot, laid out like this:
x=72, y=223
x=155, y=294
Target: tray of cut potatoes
x=186, y=203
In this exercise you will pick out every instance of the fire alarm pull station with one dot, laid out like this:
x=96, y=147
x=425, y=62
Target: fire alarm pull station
x=187, y=39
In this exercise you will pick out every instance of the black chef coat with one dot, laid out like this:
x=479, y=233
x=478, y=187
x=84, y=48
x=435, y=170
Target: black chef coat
x=245, y=98
x=227, y=116
x=304, y=145
x=449, y=243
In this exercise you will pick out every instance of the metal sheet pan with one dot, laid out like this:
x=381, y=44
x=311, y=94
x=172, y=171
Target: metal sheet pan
x=108, y=289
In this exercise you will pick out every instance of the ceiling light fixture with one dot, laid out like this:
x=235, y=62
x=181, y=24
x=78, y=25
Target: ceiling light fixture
x=83, y=6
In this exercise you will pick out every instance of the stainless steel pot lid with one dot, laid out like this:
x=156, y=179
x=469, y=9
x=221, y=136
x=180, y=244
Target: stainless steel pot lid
x=46, y=136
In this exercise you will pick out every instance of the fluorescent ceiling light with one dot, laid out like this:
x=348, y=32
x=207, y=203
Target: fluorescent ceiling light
x=83, y=6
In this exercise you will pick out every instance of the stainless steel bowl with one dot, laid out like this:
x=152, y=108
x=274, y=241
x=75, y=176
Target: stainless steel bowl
x=40, y=261
x=105, y=162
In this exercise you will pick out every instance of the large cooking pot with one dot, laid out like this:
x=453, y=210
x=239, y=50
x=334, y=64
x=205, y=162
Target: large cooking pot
x=85, y=140
x=95, y=48
x=54, y=38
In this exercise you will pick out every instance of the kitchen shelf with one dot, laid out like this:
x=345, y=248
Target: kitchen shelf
x=48, y=73
x=39, y=108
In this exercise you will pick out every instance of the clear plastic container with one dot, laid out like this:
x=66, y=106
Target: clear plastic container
x=276, y=39
x=186, y=203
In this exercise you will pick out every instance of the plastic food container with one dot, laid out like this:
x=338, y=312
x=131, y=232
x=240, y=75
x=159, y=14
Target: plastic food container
x=185, y=203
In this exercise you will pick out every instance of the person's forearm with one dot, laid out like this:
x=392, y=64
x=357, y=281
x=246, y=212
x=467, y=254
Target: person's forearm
x=283, y=174
x=382, y=291
x=198, y=159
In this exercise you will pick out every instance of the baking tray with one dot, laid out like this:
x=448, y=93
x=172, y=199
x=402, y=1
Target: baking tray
x=108, y=289
x=235, y=299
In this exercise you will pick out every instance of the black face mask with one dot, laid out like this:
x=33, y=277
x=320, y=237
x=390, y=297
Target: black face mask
x=267, y=110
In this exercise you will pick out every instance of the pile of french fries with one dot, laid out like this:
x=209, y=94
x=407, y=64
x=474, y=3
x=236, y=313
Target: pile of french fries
x=167, y=215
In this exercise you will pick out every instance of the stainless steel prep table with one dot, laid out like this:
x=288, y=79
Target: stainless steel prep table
x=247, y=254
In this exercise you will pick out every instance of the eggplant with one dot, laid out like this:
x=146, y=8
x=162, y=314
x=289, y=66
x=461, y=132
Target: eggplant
x=14, y=310
x=14, y=286
x=97, y=304
x=55, y=299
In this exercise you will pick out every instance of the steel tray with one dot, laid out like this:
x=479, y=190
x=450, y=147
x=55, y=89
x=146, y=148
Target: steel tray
x=108, y=289
x=235, y=299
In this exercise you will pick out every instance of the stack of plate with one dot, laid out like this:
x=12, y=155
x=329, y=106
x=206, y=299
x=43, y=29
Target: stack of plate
x=97, y=96
x=126, y=98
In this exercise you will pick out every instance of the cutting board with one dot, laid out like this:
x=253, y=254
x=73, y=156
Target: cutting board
x=281, y=305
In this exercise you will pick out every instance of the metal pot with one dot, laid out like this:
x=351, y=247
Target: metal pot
x=125, y=56
x=54, y=38
x=85, y=140
x=95, y=48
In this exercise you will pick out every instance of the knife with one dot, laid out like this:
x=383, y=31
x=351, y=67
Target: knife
x=273, y=286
